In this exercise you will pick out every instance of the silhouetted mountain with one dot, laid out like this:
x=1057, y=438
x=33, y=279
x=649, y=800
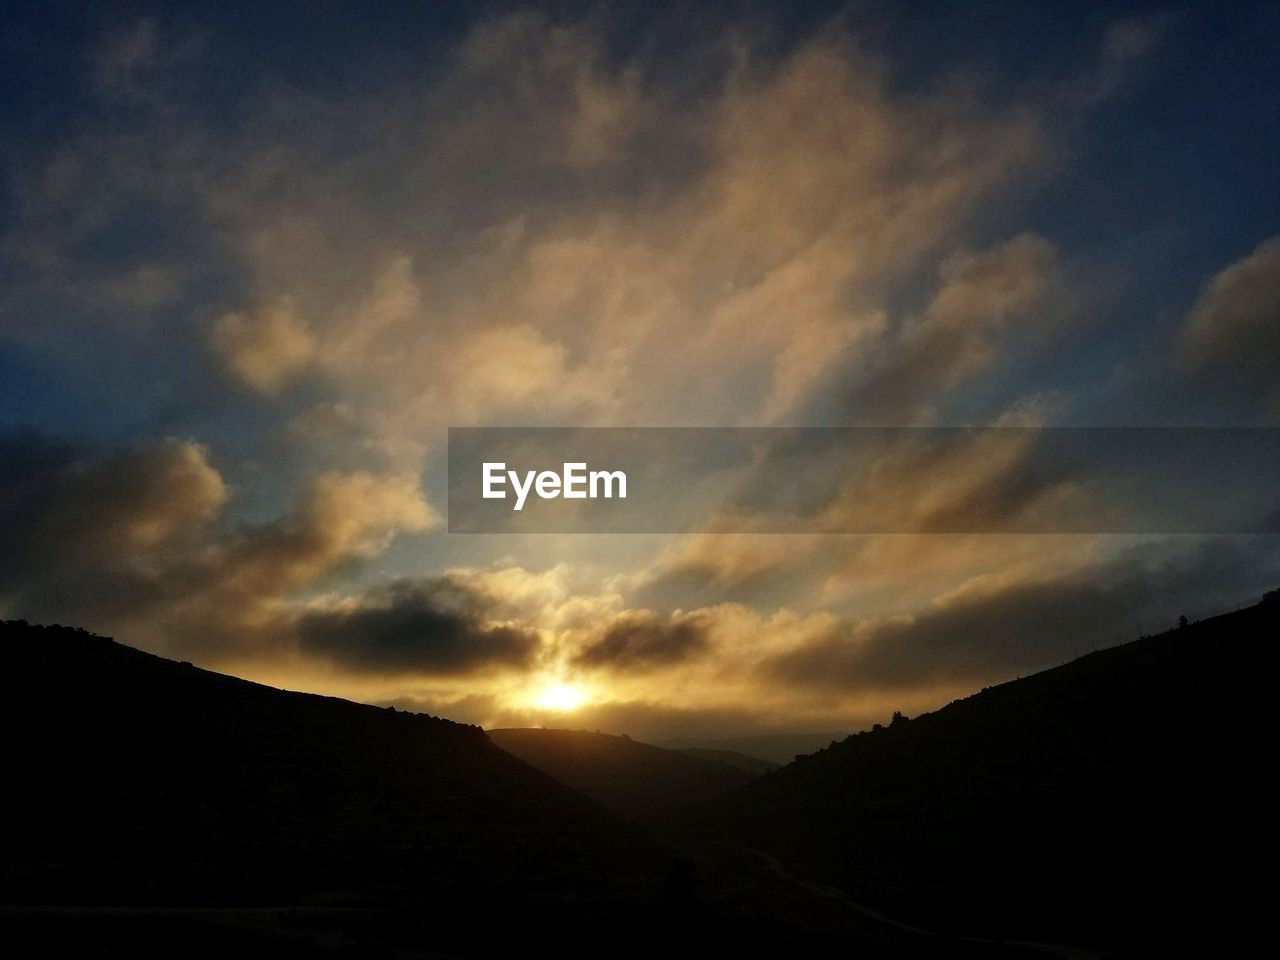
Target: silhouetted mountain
x=733, y=758
x=1122, y=799
x=635, y=779
x=153, y=809
x=250, y=794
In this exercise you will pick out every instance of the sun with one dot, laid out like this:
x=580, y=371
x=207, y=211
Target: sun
x=560, y=696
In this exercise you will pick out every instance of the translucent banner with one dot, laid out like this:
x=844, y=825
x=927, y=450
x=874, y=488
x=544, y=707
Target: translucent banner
x=1140, y=480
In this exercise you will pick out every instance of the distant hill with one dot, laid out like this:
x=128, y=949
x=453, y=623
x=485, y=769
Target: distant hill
x=777, y=748
x=1122, y=799
x=733, y=758
x=635, y=779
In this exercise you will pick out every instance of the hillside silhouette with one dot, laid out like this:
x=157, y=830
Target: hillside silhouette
x=635, y=779
x=141, y=780
x=1122, y=800
x=155, y=809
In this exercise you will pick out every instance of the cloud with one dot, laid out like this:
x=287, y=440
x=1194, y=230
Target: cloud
x=263, y=348
x=131, y=541
x=541, y=225
x=342, y=518
x=143, y=288
x=1232, y=337
x=128, y=60
x=368, y=333
x=574, y=239
x=642, y=638
x=827, y=190
x=433, y=627
x=912, y=481
x=986, y=481
x=984, y=304
x=541, y=230
x=1002, y=624
x=1126, y=45
x=134, y=504
x=83, y=535
x=535, y=60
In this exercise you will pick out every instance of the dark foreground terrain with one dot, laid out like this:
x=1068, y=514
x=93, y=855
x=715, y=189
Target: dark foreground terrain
x=153, y=809
x=1124, y=801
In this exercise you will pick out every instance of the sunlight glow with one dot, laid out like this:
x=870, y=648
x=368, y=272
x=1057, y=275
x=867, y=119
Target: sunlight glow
x=559, y=696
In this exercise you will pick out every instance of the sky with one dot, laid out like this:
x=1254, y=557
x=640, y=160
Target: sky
x=256, y=260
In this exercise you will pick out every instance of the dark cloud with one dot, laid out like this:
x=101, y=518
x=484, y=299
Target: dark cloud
x=1232, y=338
x=87, y=536
x=990, y=633
x=434, y=626
x=641, y=638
